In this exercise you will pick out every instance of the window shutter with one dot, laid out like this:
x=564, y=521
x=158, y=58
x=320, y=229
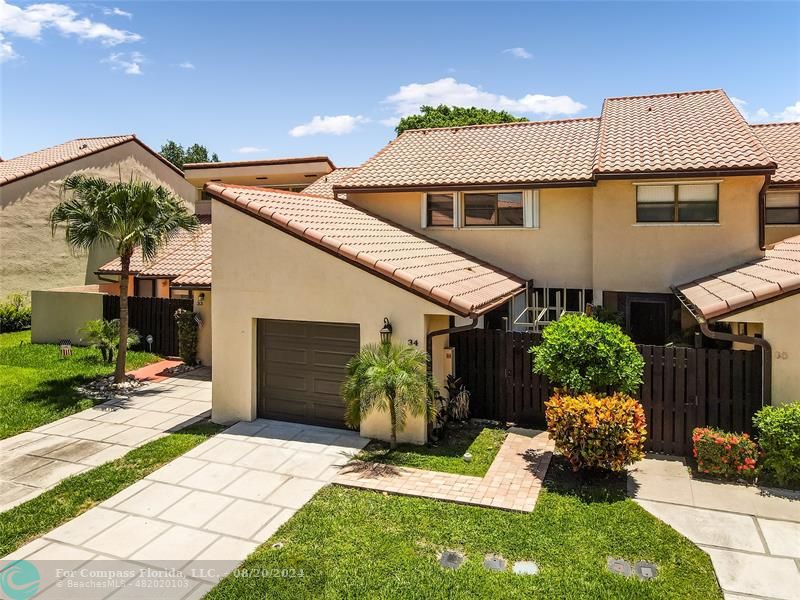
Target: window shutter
x=531, y=208
x=423, y=210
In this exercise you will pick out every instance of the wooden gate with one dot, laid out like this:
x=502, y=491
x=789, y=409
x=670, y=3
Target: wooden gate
x=151, y=316
x=683, y=388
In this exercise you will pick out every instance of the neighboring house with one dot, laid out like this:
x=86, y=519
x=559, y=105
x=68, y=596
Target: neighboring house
x=30, y=185
x=500, y=226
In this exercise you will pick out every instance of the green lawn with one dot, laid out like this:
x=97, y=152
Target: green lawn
x=79, y=493
x=482, y=442
x=359, y=544
x=37, y=385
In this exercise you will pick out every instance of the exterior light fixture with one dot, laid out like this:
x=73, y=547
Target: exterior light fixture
x=201, y=298
x=386, y=331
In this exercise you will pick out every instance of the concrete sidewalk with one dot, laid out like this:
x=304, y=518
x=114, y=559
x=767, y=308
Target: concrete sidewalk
x=37, y=460
x=178, y=531
x=751, y=534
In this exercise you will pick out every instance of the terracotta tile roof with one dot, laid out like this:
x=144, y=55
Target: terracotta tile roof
x=182, y=253
x=528, y=152
x=198, y=276
x=782, y=141
x=258, y=163
x=428, y=268
x=687, y=131
x=768, y=278
x=41, y=160
x=324, y=185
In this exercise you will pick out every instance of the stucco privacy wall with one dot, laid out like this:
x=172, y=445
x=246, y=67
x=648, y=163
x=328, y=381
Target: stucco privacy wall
x=262, y=272
x=781, y=328
x=631, y=257
x=30, y=258
x=558, y=253
x=60, y=314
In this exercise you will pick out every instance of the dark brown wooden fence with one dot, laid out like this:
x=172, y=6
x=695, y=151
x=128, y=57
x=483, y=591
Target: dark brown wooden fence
x=683, y=387
x=151, y=316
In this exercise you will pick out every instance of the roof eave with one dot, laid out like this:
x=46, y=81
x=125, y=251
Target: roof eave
x=760, y=170
x=465, y=186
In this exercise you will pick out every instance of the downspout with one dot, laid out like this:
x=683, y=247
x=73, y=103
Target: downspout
x=766, y=355
x=762, y=213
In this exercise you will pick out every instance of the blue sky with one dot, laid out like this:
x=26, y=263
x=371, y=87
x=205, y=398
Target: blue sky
x=248, y=79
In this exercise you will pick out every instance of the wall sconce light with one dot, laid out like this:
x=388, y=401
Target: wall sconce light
x=201, y=298
x=386, y=331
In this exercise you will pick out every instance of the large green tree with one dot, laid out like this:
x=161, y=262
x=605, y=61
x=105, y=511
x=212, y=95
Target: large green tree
x=454, y=116
x=179, y=156
x=126, y=215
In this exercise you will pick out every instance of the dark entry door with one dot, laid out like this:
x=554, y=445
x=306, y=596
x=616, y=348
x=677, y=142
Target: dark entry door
x=301, y=366
x=648, y=321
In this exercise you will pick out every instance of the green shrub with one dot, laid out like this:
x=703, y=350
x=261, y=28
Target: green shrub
x=15, y=313
x=580, y=354
x=187, y=336
x=779, y=436
x=599, y=432
x=104, y=335
x=724, y=454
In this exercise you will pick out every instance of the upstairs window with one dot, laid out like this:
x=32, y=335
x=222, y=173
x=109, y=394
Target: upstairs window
x=499, y=209
x=783, y=208
x=677, y=203
x=439, y=210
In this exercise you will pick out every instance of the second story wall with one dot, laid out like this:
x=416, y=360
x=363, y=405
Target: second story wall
x=649, y=257
x=557, y=253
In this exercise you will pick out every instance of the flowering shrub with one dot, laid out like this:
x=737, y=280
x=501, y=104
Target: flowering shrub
x=601, y=432
x=724, y=454
x=779, y=436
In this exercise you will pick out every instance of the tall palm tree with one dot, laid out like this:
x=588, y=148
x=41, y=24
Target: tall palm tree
x=388, y=377
x=127, y=215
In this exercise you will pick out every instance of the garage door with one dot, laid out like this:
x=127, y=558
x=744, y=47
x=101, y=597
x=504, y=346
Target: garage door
x=301, y=366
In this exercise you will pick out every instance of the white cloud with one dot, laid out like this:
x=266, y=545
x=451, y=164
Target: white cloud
x=518, y=53
x=449, y=91
x=335, y=125
x=130, y=63
x=250, y=150
x=6, y=50
x=29, y=22
x=117, y=12
x=790, y=113
x=186, y=65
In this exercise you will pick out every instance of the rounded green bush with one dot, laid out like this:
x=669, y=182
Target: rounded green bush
x=580, y=354
x=779, y=438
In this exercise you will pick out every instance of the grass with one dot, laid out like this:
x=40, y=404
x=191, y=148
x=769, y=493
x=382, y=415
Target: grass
x=37, y=385
x=359, y=544
x=446, y=456
x=79, y=493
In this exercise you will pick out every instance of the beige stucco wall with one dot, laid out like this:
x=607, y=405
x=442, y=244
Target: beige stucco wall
x=204, y=354
x=557, y=253
x=776, y=233
x=261, y=272
x=781, y=328
x=30, y=258
x=59, y=314
x=635, y=257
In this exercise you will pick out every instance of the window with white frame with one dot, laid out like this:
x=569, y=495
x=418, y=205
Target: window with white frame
x=783, y=208
x=514, y=208
x=677, y=203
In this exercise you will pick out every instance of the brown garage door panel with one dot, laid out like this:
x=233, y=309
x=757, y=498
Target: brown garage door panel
x=301, y=366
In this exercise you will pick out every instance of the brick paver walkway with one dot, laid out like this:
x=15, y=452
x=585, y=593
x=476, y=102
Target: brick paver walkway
x=512, y=482
x=37, y=460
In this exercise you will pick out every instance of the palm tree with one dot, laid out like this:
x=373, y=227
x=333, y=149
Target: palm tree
x=388, y=377
x=126, y=215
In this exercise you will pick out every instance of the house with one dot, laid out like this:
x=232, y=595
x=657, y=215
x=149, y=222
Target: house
x=30, y=257
x=496, y=226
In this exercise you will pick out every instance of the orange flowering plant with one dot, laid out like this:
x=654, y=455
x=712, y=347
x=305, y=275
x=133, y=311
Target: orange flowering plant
x=595, y=431
x=724, y=454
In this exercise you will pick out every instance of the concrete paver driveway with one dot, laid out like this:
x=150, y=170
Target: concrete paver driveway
x=201, y=514
x=35, y=461
x=752, y=535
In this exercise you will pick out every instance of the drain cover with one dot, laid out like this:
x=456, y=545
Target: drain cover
x=277, y=545
x=451, y=560
x=645, y=570
x=494, y=562
x=525, y=567
x=619, y=566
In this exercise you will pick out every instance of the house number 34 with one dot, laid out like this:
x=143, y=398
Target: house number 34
x=781, y=355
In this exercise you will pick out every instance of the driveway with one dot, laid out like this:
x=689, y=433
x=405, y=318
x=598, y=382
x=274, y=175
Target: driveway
x=37, y=460
x=751, y=534
x=193, y=520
